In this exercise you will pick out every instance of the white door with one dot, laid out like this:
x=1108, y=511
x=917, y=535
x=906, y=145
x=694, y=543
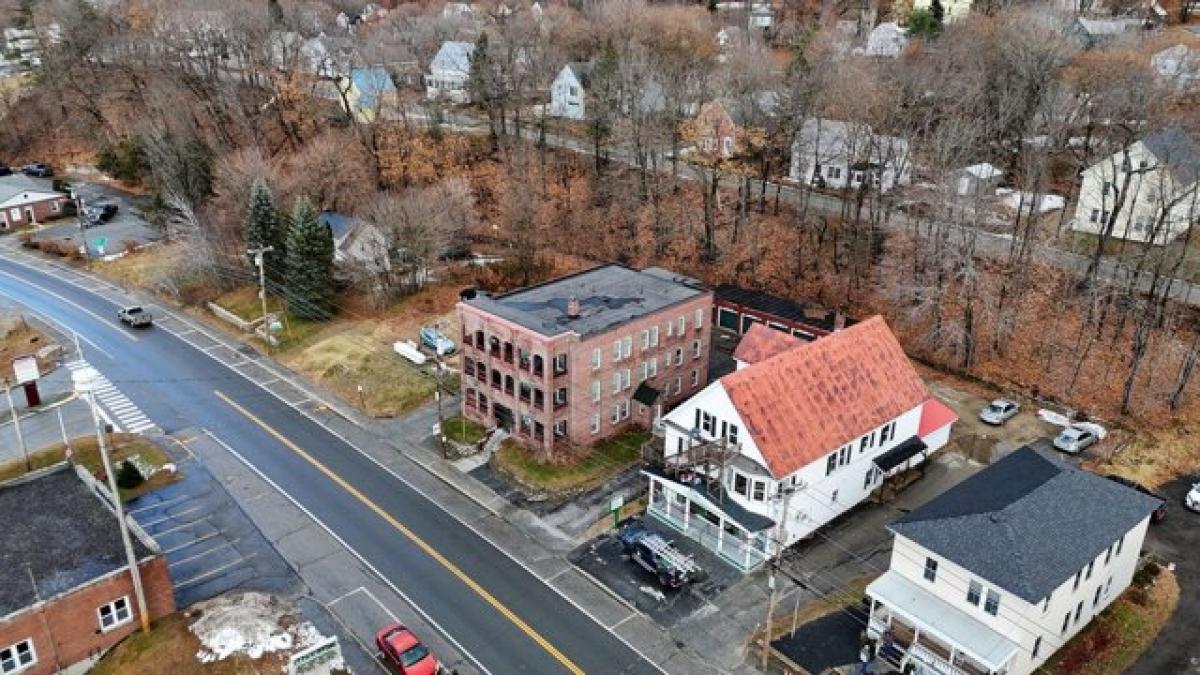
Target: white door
x=14, y=215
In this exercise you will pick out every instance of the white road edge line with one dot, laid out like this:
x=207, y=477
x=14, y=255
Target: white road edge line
x=72, y=303
x=430, y=620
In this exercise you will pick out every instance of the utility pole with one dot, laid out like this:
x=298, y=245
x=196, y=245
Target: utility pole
x=437, y=395
x=85, y=380
x=785, y=493
x=16, y=422
x=258, y=254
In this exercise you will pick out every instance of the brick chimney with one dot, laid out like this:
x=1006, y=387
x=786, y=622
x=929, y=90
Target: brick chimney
x=573, y=307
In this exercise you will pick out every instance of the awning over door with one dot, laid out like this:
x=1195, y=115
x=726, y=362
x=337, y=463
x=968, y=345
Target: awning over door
x=900, y=454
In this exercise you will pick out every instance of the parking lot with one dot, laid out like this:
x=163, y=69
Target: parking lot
x=109, y=237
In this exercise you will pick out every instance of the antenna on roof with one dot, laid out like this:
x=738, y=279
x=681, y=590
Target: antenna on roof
x=573, y=307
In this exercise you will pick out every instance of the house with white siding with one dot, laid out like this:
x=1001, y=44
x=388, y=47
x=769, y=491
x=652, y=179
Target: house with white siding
x=1148, y=191
x=568, y=92
x=449, y=72
x=799, y=434
x=999, y=572
x=835, y=154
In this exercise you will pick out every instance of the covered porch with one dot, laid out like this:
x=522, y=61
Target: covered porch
x=718, y=523
x=915, y=627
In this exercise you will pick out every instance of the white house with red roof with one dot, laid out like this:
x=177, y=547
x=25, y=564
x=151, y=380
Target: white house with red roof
x=798, y=435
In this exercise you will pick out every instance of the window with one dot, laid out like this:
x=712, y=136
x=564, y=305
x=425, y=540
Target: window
x=1120, y=542
x=678, y=384
x=1078, y=611
x=733, y=434
x=760, y=491
x=625, y=378
x=1037, y=646
x=1090, y=566
x=560, y=396
x=682, y=325
x=560, y=363
x=696, y=349
x=1066, y=622
x=646, y=338
x=626, y=347
x=671, y=328
x=887, y=433
x=831, y=464
x=616, y=350
x=1095, y=217
x=653, y=368
x=616, y=381
x=625, y=409
x=1078, y=577
x=560, y=428
x=833, y=496
x=17, y=657
x=870, y=478
x=741, y=484
x=866, y=442
x=596, y=423
x=1108, y=186
x=991, y=603
x=114, y=614
x=844, y=458
x=695, y=377
x=595, y=390
x=699, y=319
x=616, y=413
x=574, y=91
x=1096, y=597
x=930, y=569
x=597, y=357
x=1108, y=554
x=1046, y=602
x=708, y=423
x=974, y=592
x=654, y=336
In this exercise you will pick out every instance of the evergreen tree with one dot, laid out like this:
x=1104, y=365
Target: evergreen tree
x=922, y=24
x=605, y=101
x=275, y=12
x=309, y=258
x=265, y=227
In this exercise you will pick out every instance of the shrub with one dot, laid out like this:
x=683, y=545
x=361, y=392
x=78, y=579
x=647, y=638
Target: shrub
x=128, y=476
x=124, y=160
x=27, y=241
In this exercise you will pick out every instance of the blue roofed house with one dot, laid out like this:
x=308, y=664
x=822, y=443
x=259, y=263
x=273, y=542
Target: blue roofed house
x=999, y=572
x=449, y=71
x=368, y=92
x=357, y=246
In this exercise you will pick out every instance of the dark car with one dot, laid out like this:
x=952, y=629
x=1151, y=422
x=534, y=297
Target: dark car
x=38, y=170
x=5, y=170
x=1160, y=514
x=103, y=212
x=654, y=553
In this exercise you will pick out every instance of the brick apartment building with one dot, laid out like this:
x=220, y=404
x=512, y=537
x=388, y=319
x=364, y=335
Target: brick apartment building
x=65, y=592
x=579, y=358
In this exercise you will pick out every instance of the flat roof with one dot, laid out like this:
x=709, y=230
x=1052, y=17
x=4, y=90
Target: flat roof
x=608, y=295
x=57, y=535
x=799, y=312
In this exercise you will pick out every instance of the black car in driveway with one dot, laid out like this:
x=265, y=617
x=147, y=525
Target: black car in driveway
x=1160, y=513
x=101, y=213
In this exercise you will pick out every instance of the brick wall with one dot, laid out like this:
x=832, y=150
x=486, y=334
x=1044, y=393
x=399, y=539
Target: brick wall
x=66, y=630
x=46, y=209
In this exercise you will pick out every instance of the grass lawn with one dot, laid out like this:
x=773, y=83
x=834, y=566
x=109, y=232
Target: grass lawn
x=1157, y=457
x=170, y=647
x=88, y=454
x=1111, y=643
x=296, y=331
x=462, y=430
x=142, y=268
x=584, y=469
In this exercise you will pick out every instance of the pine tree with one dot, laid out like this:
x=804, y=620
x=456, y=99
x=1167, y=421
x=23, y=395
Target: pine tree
x=309, y=283
x=938, y=13
x=265, y=227
x=275, y=12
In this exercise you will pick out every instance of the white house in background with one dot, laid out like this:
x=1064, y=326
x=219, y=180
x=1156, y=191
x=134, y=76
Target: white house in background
x=568, y=92
x=455, y=10
x=1000, y=571
x=798, y=435
x=449, y=72
x=835, y=154
x=887, y=40
x=1177, y=66
x=953, y=10
x=1163, y=194
x=977, y=179
x=1088, y=33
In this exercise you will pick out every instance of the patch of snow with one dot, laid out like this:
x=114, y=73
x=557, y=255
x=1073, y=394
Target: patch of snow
x=1014, y=199
x=250, y=624
x=1100, y=431
x=1057, y=419
x=653, y=592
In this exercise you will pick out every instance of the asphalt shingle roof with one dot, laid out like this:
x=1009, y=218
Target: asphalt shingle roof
x=371, y=83
x=761, y=343
x=609, y=295
x=1178, y=151
x=454, y=56
x=1027, y=523
x=805, y=402
x=57, y=535
x=16, y=184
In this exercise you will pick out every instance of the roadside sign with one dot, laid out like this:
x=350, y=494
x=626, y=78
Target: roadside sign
x=100, y=243
x=25, y=368
x=437, y=428
x=617, y=502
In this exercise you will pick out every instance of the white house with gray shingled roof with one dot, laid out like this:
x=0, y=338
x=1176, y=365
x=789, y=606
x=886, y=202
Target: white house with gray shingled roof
x=1148, y=191
x=1000, y=571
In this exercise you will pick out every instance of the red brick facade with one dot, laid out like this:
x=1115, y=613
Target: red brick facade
x=545, y=389
x=65, y=629
x=41, y=211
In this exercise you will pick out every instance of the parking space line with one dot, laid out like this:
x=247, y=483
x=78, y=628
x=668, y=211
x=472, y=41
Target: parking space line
x=219, y=547
x=178, y=527
x=211, y=573
x=152, y=523
x=165, y=502
x=618, y=624
x=557, y=574
x=193, y=542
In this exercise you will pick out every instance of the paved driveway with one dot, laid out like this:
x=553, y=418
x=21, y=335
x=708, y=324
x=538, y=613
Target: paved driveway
x=127, y=225
x=1177, y=540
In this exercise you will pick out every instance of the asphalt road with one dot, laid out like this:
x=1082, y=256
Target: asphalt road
x=505, y=618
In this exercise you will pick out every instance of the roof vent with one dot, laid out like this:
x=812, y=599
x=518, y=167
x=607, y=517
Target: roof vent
x=996, y=517
x=573, y=308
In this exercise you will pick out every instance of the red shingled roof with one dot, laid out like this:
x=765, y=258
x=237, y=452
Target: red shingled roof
x=761, y=343
x=805, y=402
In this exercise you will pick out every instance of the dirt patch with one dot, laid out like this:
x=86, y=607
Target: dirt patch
x=1155, y=458
x=18, y=338
x=569, y=472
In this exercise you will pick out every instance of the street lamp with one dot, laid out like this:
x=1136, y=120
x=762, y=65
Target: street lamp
x=86, y=381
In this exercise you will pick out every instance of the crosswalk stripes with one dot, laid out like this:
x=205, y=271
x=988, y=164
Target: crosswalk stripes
x=119, y=411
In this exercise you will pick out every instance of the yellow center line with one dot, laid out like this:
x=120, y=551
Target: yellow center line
x=411, y=536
